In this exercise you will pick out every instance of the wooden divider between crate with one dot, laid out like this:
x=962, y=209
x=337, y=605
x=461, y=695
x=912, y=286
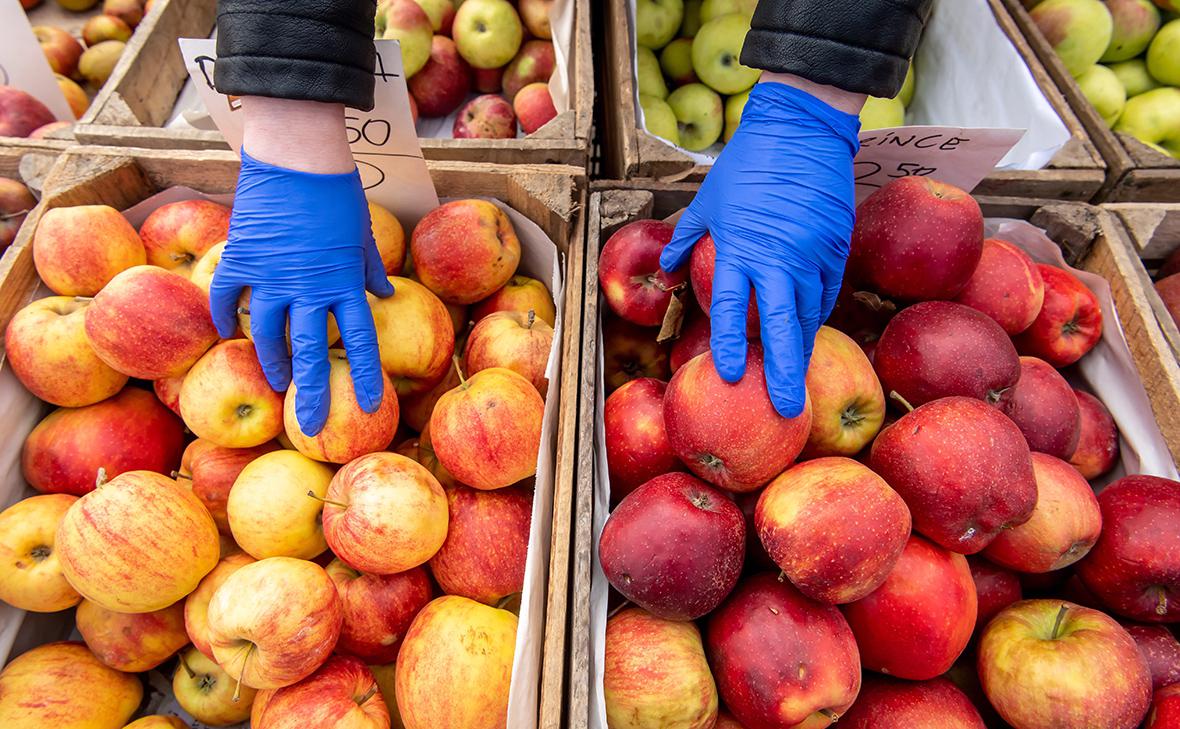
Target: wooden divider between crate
x=1154, y=232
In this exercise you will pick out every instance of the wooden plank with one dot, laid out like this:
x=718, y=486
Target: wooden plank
x=1154, y=228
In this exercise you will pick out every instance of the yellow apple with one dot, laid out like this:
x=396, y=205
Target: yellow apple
x=415, y=336
x=63, y=686
x=208, y=693
x=513, y=340
x=196, y=605
x=270, y=511
x=30, y=573
x=390, y=238
x=226, y=399
x=158, y=721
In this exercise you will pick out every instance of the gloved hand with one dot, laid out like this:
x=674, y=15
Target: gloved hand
x=780, y=206
x=303, y=244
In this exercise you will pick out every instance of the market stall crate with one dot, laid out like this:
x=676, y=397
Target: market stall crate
x=1075, y=172
x=142, y=97
x=546, y=204
x=1090, y=239
x=1136, y=172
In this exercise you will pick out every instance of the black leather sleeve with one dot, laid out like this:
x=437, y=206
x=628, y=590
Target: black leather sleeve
x=863, y=46
x=312, y=50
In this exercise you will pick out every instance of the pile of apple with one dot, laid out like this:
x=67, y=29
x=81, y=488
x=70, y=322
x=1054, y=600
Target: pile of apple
x=451, y=48
x=1125, y=57
x=773, y=572
x=327, y=580
x=15, y=203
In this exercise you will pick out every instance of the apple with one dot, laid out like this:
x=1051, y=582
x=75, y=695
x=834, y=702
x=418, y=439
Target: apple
x=129, y=11
x=76, y=98
x=1006, y=285
x=487, y=32
x=656, y=21
x=78, y=250
x=275, y=505
x=485, y=117
x=98, y=62
x=780, y=659
x=101, y=28
x=963, y=469
x=167, y=390
x=386, y=677
x=390, y=238
x=1165, y=702
x=63, y=685
x=522, y=294
x=213, y=471
x=158, y=721
x=995, y=589
x=465, y=250
x=1151, y=118
x=659, y=119
x=128, y=432
x=936, y=228
x=799, y=518
x=702, y=265
x=196, y=605
x=227, y=400
x=699, y=112
x=204, y=690
x=847, y=403
x=1079, y=31
x=630, y=351
x=1168, y=288
x=441, y=14
x=729, y=433
x=341, y=693
x=408, y=24
x=384, y=513
x=635, y=286
x=512, y=340
x=15, y=203
x=886, y=703
x=637, y=447
x=535, y=16
x=674, y=547
x=734, y=106
x=132, y=642
x=534, y=63
x=1070, y=321
x=1045, y=408
x=716, y=50
x=204, y=268
x=649, y=77
x=60, y=49
x=920, y=619
x=1133, y=567
x=676, y=62
x=1161, y=54
x=1135, y=22
x=1160, y=649
x=711, y=9
x=48, y=351
x=378, y=609
x=487, y=431
x=878, y=113
x=415, y=336
x=30, y=571
x=487, y=80
x=1098, y=438
x=443, y=82
x=1103, y=89
x=416, y=410
x=1080, y=657
x=654, y=673
x=693, y=340
x=483, y=557
x=177, y=234
x=1133, y=76
x=21, y=114
x=455, y=663
x=534, y=106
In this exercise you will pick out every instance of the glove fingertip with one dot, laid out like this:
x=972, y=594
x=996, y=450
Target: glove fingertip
x=311, y=413
x=788, y=407
x=731, y=366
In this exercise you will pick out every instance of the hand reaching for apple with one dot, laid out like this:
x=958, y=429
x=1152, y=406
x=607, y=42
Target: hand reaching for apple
x=778, y=204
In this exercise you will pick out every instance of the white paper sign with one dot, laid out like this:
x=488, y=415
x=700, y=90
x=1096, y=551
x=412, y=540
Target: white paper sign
x=383, y=140
x=23, y=65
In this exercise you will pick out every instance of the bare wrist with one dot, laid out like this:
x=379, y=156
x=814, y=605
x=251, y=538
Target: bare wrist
x=846, y=101
x=308, y=136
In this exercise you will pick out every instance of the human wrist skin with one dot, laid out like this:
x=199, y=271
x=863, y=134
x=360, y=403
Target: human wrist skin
x=308, y=136
x=837, y=98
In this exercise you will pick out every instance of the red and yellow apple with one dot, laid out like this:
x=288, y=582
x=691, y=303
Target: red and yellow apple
x=522, y=294
x=514, y=341
x=534, y=107
x=847, y=403
x=132, y=642
x=1069, y=323
x=62, y=685
x=227, y=400
x=341, y=694
x=483, y=556
x=196, y=605
x=465, y=250
x=208, y=693
x=78, y=250
x=378, y=609
x=415, y=336
x=30, y=572
x=60, y=49
x=629, y=272
x=212, y=472
x=176, y=235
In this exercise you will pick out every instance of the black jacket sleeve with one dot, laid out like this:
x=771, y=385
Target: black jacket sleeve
x=312, y=50
x=863, y=46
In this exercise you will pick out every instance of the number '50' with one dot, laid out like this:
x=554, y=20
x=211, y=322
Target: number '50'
x=374, y=131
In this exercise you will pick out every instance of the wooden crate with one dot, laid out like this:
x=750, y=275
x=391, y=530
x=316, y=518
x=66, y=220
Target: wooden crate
x=551, y=196
x=139, y=98
x=1077, y=172
x=1136, y=173
x=29, y=160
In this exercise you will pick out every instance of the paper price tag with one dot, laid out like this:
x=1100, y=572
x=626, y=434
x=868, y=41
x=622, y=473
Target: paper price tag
x=960, y=157
x=23, y=65
x=384, y=142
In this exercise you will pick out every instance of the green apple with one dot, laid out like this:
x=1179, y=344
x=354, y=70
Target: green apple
x=651, y=79
x=733, y=113
x=656, y=22
x=879, y=113
x=1135, y=22
x=1079, y=30
x=1163, y=55
x=1134, y=76
x=716, y=51
x=487, y=33
x=906, y=95
x=1104, y=90
x=676, y=60
x=407, y=23
x=1153, y=118
x=711, y=9
x=692, y=18
x=699, y=115
x=659, y=118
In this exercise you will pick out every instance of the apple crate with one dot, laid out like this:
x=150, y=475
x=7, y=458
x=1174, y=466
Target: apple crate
x=1135, y=172
x=548, y=195
x=1091, y=240
x=1076, y=172
x=137, y=102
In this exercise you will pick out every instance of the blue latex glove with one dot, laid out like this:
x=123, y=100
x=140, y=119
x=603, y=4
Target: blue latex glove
x=779, y=203
x=304, y=245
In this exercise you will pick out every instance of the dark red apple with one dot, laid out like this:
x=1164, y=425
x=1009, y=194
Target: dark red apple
x=1169, y=291
x=916, y=239
x=701, y=266
x=756, y=557
x=630, y=352
x=962, y=467
x=780, y=659
x=938, y=349
x=1074, y=590
x=674, y=546
x=1045, y=408
x=1098, y=438
x=1171, y=265
x=637, y=448
x=1070, y=322
x=1006, y=286
x=20, y=113
x=489, y=80
x=635, y=286
x=1165, y=709
x=1161, y=651
x=1135, y=566
x=886, y=703
x=918, y=622
x=995, y=589
x=442, y=84
x=693, y=339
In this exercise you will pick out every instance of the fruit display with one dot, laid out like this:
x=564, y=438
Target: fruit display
x=487, y=63
x=923, y=546
x=196, y=536
x=1125, y=57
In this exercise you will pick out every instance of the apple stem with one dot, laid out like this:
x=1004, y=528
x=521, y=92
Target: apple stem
x=1057, y=622
x=244, y=310
x=532, y=319
x=1161, y=607
x=187, y=668
x=100, y=479
x=84, y=298
x=178, y=474
x=459, y=371
x=242, y=673
x=782, y=576
x=368, y=695
x=622, y=606
x=829, y=715
x=341, y=504
x=904, y=403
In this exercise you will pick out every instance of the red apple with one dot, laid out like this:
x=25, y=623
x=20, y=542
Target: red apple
x=886, y=703
x=1161, y=651
x=483, y=557
x=637, y=448
x=1044, y=407
x=79, y=249
x=780, y=659
x=962, y=467
x=693, y=339
x=756, y=556
x=729, y=433
x=213, y=471
x=464, y=250
x=534, y=107
x=534, y=63
x=132, y=642
x=1165, y=707
x=916, y=239
x=674, y=547
x=101, y=28
x=15, y=203
x=805, y=520
x=701, y=266
x=1168, y=288
x=167, y=391
x=488, y=80
x=60, y=49
x=378, y=609
x=442, y=84
x=20, y=113
x=513, y=340
x=485, y=117
x=1006, y=285
x=1070, y=322
x=177, y=234
x=635, y=286
x=938, y=349
x=341, y=693
x=1098, y=438
x=847, y=403
x=918, y=622
x=995, y=589
x=129, y=11
x=1135, y=566
x=629, y=352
